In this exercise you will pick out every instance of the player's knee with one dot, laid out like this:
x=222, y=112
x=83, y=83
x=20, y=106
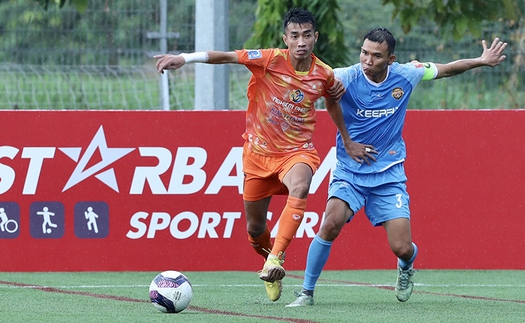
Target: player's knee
x=402, y=250
x=329, y=230
x=299, y=190
x=255, y=229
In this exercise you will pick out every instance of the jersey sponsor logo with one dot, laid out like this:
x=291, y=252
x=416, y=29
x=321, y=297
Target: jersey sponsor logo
x=254, y=54
x=417, y=64
x=288, y=107
x=376, y=113
x=297, y=96
x=398, y=93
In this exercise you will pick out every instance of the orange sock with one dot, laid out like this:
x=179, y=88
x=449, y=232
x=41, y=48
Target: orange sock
x=290, y=219
x=262, y=243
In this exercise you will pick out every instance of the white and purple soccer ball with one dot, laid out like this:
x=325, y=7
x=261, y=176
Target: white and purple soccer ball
x=170, y=292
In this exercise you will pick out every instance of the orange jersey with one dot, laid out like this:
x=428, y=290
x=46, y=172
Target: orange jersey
x=281, y=113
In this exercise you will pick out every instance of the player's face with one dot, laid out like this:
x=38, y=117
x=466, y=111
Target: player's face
x=300, y=39
x=375, y=59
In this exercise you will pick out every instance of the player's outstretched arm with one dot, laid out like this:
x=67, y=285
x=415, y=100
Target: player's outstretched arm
x=491, y=56
x=173, y=62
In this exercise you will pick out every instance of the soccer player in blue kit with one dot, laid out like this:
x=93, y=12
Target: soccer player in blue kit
x=370, y=157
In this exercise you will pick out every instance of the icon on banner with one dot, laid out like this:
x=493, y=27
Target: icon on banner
x=46, y=220
x=6, y=224
x=9, y=220
x=91, y=219
x=47, y=224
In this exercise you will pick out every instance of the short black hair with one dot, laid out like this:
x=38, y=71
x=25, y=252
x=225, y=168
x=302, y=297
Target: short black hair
x=379, y=35
x=299, y=16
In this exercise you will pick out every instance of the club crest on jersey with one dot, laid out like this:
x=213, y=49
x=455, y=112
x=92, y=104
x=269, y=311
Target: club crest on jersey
x=296, y=96
x=254, y=54
x=397, y=93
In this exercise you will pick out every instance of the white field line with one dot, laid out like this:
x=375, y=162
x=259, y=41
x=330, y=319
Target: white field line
x=258, y=285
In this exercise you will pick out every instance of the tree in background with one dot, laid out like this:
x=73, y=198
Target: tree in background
x=63, y=35
x=81, y=5
x=457, y=17
x=268, y=30
x=460, y=17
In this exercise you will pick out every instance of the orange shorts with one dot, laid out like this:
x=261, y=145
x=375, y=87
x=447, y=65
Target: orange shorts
x=263, y=175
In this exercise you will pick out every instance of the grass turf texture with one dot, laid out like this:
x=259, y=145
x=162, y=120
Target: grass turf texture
x=341, y=296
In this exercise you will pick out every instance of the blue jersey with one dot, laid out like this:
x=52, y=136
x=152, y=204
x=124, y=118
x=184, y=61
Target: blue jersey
x=374, y=113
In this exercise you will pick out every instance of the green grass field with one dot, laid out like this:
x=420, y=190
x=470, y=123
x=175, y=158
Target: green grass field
x=341, y=296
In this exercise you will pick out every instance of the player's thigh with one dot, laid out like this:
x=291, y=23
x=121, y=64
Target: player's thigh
x=387, y=202
x=257, y=188
x=298, y=168
x=345, y=191
x=261, y=178
x=398, y=232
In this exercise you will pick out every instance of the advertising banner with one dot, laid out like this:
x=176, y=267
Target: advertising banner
x=157, y=190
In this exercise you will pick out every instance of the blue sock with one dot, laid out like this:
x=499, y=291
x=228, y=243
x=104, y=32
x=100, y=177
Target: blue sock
x=404, y=265
x=318, y=253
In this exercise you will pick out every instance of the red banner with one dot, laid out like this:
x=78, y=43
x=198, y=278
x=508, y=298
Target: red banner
x=151, y=190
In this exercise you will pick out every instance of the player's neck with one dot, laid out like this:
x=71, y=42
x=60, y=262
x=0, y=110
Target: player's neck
x=378, y=78
x=302, y=65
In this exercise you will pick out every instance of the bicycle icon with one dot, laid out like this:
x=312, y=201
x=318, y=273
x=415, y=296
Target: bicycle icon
x=7, y=224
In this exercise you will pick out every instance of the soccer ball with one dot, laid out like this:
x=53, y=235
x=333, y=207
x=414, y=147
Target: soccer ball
x=170, y=292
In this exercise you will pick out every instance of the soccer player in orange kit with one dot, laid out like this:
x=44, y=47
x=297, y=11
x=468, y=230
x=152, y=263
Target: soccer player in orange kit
x=278, y=156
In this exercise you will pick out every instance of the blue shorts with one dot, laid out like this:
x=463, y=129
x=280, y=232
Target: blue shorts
x=384, y=195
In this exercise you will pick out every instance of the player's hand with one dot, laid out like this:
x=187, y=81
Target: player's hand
x=492, y=55
x=361, y=152
x=169, y=62
x=337, y=90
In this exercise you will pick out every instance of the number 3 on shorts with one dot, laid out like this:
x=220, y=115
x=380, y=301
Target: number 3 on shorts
x=399, y=203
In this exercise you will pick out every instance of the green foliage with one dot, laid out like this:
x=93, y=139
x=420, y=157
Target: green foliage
x=81, y=5
x=268, y=29
x=478, y=18
x=456, y=17
x=113, y=32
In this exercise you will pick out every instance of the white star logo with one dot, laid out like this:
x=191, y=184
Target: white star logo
x=108, y=157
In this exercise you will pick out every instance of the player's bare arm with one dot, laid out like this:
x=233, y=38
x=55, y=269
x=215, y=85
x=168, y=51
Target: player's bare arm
x=491, y=56
x=359, y=152
x=173, y=62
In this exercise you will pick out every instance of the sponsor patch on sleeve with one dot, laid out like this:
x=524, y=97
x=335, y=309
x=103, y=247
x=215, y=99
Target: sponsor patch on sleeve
x=254, y=54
